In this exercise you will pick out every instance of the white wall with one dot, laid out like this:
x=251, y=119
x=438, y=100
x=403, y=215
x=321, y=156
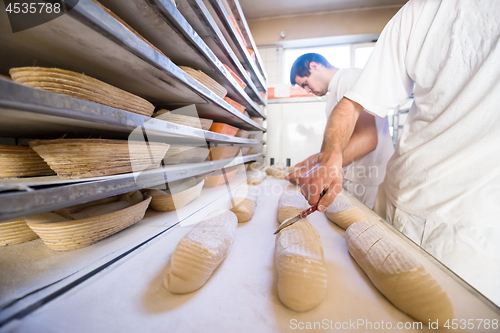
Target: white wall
x=294, y=130
x=272, y=57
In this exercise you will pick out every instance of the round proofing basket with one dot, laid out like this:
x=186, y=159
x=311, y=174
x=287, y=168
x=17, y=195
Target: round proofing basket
x=185, y=154
x=171, y=202
x=82, y=87
x=206, y=80
x=21, y=161
x=83, y=158
x=15, y=232
x=77, y=234
x=180, y=119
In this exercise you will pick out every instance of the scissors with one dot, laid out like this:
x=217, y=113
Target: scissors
x=302, y=215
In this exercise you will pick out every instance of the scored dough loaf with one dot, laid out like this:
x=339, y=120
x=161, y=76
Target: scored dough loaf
x=245, y=202
x=255, y=177
x=343, y=213
x=302, y=277
x=397, y=274
x=291, y=203
x=200, y=251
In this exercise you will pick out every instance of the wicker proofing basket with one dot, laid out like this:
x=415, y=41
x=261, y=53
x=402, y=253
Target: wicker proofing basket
x=21, y=161
x=185, y=192
x=217, y=178
x=84, y=158
x=185, y=154
x=15, y=232
x=69, y=235
x=82, y=87
x=206, y=80
x=180, y=119
x=242, y=134
x=223, y=152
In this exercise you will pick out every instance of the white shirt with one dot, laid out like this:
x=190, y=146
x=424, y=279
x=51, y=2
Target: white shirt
x=447, y=163
x=370, y=169
x=446, y=168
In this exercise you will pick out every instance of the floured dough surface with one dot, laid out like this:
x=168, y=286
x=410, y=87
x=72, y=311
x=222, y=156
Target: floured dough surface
x=278, y=171
x=245, y=203
x=301, y=267
x=291, y=203
x=255, y=177
x=200, y=251
x=302, y=279
x=340, y=203
x=397, y=274
x=343, y=213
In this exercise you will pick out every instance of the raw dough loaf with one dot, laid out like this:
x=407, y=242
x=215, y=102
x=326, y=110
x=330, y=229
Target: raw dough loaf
x=245, y=203
x=397, y=274
x=343, y=213
x=278, y=171
x=255, y=177
x=254, y=166
x=200, y=251
x=291, y=203
x=302, y=279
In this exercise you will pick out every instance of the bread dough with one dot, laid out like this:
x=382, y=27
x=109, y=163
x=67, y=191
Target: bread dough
x=245, y=203
x=302, y=279
x=255, y=177
x=291, y=203
x=200, y=251
x=278, y=171
x=343, y=213
x=397, y=274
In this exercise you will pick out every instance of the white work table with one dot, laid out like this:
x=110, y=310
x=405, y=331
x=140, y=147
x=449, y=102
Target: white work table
x=241, y=295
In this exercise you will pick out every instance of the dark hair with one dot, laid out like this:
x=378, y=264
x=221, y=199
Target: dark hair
x=301, y=66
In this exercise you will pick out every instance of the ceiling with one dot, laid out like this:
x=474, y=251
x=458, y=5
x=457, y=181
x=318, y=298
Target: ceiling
x=257, y=9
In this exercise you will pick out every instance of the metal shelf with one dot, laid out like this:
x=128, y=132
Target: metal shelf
x=53, y=193
x=240, y=17
x=28, y=113
x=221, y=16
x=198, y=16
x=21, y=293
x=159, y=18
x=90, y=40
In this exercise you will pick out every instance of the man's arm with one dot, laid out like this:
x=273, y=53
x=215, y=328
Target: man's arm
x=327, y=172
x=363, y=141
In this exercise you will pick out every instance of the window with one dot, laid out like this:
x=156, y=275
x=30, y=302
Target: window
x=361, y=54
x=338, y=56
x=341, y=56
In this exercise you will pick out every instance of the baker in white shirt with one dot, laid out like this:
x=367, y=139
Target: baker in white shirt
x=442, y=187
x=370, y=146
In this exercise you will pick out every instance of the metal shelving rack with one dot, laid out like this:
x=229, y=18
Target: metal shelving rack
x=240, y=18
x=200, y=19
x=51, y=193
x=160, y=18
x=28, y=112
x=89, y=39
x=221, y=16
x=104, y=44
x=399, y=119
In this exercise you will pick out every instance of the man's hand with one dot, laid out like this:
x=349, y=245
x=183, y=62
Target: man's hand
x=326, y=173
x=300, y=168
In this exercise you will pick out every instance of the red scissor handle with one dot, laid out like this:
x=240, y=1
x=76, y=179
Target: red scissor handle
x=313, y=208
